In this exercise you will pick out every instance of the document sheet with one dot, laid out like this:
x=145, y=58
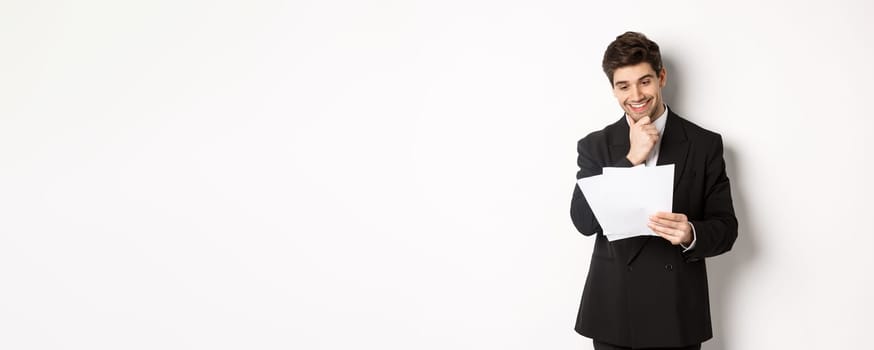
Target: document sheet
x=623, y=199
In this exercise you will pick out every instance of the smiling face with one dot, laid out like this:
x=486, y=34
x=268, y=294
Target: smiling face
x=638, y=88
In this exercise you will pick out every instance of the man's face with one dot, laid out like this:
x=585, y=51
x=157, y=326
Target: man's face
x=638, y=89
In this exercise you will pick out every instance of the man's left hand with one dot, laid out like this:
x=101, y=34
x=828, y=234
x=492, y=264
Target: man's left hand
x=673, y=227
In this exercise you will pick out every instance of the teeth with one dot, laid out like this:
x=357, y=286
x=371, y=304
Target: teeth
x=638, y=106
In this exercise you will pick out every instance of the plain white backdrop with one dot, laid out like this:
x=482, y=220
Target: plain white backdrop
x=398, y=174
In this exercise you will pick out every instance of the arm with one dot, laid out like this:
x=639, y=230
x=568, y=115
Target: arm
x=716, y=230
x=581, y=214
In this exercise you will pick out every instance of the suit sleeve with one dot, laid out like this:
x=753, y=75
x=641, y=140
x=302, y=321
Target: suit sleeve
x=716, y=230
x=581, y=214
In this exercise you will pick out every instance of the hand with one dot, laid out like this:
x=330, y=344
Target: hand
x=671, y=226
x=643, y=137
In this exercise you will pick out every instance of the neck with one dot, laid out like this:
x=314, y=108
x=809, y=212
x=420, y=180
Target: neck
x=658, y=112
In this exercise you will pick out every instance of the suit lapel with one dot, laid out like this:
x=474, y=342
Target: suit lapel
x=617, y=136
x=674, y=147
x=673, y=150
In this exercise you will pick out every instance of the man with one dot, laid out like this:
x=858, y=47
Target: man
x=651, y=291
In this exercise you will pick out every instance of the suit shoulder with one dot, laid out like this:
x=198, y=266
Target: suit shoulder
x=597, y=137
x=593, y=138
x=695, y=131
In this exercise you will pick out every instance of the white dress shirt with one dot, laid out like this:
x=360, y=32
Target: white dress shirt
x=653, y=158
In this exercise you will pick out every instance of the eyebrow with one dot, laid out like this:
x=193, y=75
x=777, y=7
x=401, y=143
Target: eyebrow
x=648, y=75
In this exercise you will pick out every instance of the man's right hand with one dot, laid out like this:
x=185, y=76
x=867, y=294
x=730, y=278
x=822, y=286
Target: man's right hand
x=643, y=137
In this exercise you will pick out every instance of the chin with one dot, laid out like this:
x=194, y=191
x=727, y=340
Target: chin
x=637, y=116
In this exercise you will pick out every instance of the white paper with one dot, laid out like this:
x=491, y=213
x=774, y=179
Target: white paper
x=623, y=199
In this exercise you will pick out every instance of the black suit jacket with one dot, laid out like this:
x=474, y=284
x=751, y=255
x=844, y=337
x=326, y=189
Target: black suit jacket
x=643, y=291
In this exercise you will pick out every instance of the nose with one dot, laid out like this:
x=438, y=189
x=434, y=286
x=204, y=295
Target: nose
x=635, y=94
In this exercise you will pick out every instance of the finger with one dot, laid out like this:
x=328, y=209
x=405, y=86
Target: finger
x=662, y=218
x=670, y=229
x=671, y=216
x=662, y=230
x=666, y=222
x=669, y=238
x=643, y=121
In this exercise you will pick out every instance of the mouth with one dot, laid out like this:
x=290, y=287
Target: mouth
x=639, y=107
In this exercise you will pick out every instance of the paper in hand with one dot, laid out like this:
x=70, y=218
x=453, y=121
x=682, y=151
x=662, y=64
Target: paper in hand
x=623, y=199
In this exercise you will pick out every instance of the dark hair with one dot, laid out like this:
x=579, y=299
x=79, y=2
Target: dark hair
x=630, y=49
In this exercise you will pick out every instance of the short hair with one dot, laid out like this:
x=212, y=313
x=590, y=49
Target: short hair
x=630, y=49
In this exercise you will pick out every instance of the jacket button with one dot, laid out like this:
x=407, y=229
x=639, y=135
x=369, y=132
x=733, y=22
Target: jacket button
x=669, y=267
x=629, y=268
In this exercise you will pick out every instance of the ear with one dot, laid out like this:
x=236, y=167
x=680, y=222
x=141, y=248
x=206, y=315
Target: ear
x=663, y=77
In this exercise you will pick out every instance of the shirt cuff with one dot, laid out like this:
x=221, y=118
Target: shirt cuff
x=694, y=238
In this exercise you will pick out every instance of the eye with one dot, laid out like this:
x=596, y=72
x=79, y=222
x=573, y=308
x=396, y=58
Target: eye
x=645, y=82
x=623, y=88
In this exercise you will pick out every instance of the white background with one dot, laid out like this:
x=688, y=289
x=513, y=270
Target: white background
x=398, y=174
